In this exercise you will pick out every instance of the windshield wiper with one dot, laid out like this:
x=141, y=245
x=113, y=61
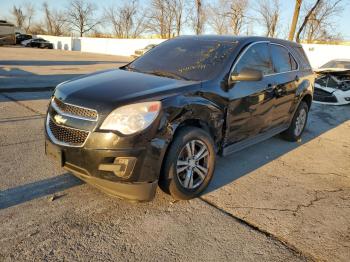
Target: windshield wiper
x=167, y=74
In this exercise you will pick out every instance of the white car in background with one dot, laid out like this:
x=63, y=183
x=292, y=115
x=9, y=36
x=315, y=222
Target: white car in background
x=140, y=52
x=332, y=83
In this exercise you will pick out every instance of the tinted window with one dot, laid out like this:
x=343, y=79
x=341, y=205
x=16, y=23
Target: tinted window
x=190, y=59
x=293, y=62
x=301, y=57
x=256, y=57
x=281, y=59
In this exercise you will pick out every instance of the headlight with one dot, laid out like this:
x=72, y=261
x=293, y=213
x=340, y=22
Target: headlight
x=132, y=118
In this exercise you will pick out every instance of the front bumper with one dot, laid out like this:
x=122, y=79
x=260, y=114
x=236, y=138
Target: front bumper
x=131, y=191
x=122, y=166
x=331, y=96
x=85, y=163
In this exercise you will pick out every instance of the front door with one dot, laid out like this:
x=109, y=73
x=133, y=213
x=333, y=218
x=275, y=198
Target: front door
x=251, y=102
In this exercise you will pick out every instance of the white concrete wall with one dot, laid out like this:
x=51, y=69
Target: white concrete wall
x=317, y=54
x=321, y=54
x=123, y=47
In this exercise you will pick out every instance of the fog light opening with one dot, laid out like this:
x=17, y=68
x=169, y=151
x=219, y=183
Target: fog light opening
x=121, y=167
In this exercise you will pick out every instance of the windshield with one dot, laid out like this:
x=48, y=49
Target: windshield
x=187, y=59
x=337, y=64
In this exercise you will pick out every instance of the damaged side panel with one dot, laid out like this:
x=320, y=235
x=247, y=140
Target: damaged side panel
x=194, y=110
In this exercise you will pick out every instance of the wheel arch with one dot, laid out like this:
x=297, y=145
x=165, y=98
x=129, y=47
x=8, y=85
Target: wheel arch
x=307, y=98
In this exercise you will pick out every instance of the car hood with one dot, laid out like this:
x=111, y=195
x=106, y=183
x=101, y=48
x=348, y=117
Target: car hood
x=331, y=69
x=105, y=90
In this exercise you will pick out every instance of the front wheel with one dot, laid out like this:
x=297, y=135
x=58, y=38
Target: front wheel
x=189, y=164
x=297, y=126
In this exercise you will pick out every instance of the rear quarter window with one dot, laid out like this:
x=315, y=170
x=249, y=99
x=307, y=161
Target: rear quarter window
x=281, y=58
x=300, y=55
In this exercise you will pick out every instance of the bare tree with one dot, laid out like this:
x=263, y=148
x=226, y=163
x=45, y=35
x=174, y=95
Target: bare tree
x=30, y=12
x=216, y=18
x=228, y=16
x=19, y=16
x=38, y=29
x=180, y=16
x=236, y=15
x=199, y=17
x=161, y=18
x=318, y=21
x=128, y=21
x=54, y=21
x=80, y=15
x=23, y=16
x=269, y=15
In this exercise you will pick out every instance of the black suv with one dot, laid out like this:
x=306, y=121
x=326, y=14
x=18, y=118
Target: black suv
x=162, y=118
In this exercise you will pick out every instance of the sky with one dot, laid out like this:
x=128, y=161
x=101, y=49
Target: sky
x=287, y=9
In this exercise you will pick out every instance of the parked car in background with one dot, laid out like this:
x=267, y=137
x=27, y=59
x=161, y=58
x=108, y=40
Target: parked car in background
x=22, y=37
x=332, y=84
x=164, y=117
x=38, y=42
x=140, y=52
x=7, y=33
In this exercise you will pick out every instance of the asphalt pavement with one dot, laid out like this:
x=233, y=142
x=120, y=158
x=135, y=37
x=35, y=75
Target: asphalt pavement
x=275, y=201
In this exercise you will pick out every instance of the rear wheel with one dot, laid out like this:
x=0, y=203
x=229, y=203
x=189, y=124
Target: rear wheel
x=296, y=129
x=189, y=164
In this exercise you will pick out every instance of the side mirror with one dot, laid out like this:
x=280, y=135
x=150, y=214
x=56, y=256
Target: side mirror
x=246, y=74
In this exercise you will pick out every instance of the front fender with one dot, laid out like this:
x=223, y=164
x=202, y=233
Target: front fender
x=182, y=110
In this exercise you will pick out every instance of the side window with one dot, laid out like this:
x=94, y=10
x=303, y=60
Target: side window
x=302, y=58
x=293, y=62
x=281, y=59
x=256, y=57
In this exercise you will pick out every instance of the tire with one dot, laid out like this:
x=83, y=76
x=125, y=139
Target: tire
x=188, y=183
x=297, y=126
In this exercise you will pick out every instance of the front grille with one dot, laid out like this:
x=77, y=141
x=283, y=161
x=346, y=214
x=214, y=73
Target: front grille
x=67, y=135
x=324, y=96
x=75, y=110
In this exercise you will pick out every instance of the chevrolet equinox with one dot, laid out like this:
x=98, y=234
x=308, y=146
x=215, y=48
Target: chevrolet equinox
x=163, y=118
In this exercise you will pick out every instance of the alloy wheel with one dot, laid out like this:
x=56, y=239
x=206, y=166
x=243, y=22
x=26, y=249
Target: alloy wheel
x=300, y=122
x=192, y=165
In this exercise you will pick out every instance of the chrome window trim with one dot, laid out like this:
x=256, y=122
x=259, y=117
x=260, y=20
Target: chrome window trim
x=57, y=142
x=265, y=42
x=58, y=110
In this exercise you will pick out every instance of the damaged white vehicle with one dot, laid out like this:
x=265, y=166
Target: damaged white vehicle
x=332, y=84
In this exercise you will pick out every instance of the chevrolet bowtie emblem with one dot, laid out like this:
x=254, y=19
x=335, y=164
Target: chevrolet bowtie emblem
x=59, y=119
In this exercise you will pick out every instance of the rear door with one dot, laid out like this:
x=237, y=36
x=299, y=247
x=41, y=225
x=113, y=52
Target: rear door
x=285, y=81
x=251, y=102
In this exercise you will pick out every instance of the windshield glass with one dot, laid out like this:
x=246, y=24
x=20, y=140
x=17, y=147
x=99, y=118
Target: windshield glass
x=188, y=59
x=337, y=64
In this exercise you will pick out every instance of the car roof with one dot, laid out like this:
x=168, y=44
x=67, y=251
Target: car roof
x=240, y=39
